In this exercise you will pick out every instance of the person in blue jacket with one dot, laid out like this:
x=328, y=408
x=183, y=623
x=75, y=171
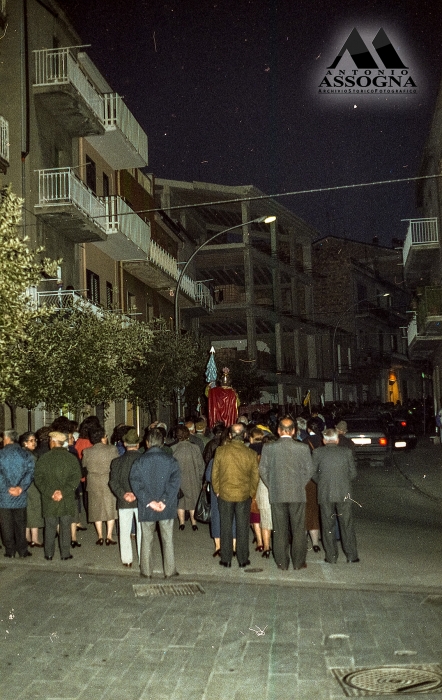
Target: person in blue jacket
x=155, y=479
x=16, y=475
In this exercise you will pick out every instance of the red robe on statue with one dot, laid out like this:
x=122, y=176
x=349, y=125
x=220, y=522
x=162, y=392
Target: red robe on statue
x=222, y=406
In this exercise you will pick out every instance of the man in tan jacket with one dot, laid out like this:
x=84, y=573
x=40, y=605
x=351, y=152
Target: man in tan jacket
x=235, y=479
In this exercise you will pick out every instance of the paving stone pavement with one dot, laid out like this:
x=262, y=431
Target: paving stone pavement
x=75, y=630
x=88, y=637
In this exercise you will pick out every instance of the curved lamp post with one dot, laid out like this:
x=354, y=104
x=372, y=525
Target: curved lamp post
x=259, y=220
x=344, y=313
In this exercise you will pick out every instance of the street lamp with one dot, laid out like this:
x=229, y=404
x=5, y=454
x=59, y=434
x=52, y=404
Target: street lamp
x=259, y=220
x=344, y=313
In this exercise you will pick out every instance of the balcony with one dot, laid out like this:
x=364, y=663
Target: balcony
x=421, y=262
x=160, y=271
x=69, y=206
x=4, y=145
x=64, y=89
x=64, y=299
x=425, y=328
x=128, y=234
x=124, y=143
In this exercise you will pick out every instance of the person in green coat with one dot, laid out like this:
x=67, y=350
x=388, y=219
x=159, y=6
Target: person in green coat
x=57, y=474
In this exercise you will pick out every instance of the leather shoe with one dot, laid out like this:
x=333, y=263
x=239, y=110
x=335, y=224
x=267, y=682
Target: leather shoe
x=282, y=568
x=316, y=548
x=260, y=548
x=194, y=527
x=303, y=566
x=182, y=526
x=217, y=553
x=109, y=541
x=36, y=544
x=66, y=558
x=26, y=554
x=100, y=541
x=353, y=561
x=227, y=564
x=246, y=563
x=128, y=566
x=74, y=544
x=81, y=529
x=9, y=556
x=48, y=558
x=266, y=553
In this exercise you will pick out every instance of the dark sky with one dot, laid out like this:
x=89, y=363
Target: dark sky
x=226, y=91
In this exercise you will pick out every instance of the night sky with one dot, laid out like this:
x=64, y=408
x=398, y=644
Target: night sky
x=227, y=93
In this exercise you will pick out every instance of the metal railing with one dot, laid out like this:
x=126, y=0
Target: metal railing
x=158, y=256
x=429, y=304
x=120, y=217
x=4, y=139
x=412, y=330
x=420, y=232
x=60, y=186
x=60, y=67
x=117, y=115
x=65, y=299
x=203, y=295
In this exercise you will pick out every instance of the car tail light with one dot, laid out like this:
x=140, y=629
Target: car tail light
x=403, y=423
x=383, y=441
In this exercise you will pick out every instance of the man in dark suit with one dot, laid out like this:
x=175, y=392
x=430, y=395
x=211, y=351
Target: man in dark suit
x=334, y=471
x=155, y=480
x=286, y=468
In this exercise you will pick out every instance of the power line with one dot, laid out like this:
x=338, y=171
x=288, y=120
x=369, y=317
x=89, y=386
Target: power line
x=280, y=194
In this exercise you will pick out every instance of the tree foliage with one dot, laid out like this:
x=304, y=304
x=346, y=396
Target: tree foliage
x=172, y=362
x=247, y=381
x=20, y=268
x=80, y=357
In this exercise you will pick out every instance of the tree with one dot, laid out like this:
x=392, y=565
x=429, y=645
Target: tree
x=80, y=357
x=247, y=381
x=19, y=270
x=172, y=362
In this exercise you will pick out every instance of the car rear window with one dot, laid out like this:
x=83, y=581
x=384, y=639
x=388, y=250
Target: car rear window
x=364, y=426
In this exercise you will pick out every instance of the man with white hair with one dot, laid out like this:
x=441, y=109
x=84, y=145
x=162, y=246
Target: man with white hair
x=57, y=474
x=334, y=471
x=16, y=473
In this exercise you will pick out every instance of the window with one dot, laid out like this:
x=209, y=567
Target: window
x=109, y=295
x=93, y=287
x=106, y=190
x=91, y=174
x=131, y=303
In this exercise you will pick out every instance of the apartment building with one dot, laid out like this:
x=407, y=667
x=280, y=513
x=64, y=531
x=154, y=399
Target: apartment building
x=261, y=279
x=359, y=292
x=72, y=149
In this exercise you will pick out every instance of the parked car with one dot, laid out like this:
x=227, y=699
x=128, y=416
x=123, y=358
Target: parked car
x=369, y=437
x=401, y=434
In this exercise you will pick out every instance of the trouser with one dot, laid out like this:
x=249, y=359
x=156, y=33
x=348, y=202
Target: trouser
x=64, y=535
x=329, y=513
x=13, y=529
x=147, y=533
x=289, y=520
x=241, y=511
x=125, y=519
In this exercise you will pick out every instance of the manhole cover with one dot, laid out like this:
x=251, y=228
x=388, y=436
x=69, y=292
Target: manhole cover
x=389, y=680
x=149, y=589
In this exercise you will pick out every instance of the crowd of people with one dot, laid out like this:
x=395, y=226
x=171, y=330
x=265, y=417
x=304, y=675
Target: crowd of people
x=286, y=480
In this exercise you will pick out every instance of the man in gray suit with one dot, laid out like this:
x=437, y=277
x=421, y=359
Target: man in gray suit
x=334, y=471
x=286, y=467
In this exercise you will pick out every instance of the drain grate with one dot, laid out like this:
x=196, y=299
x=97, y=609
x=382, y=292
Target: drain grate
x=389, y=680
x=151, y=589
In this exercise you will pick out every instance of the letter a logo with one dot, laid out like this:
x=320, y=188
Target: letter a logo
x=362, y=56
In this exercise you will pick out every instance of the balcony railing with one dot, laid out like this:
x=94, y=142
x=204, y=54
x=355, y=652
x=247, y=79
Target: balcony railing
x=429, y=305
x=65, y=299
x=60, y=67
x=117, y=115
x=60, y=186
x=121, y=218
x=203, y=295
x=421, y=232
x=158, y=256
x=4, y=141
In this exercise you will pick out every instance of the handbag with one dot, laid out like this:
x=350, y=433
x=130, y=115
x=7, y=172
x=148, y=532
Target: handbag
x=202, y=508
